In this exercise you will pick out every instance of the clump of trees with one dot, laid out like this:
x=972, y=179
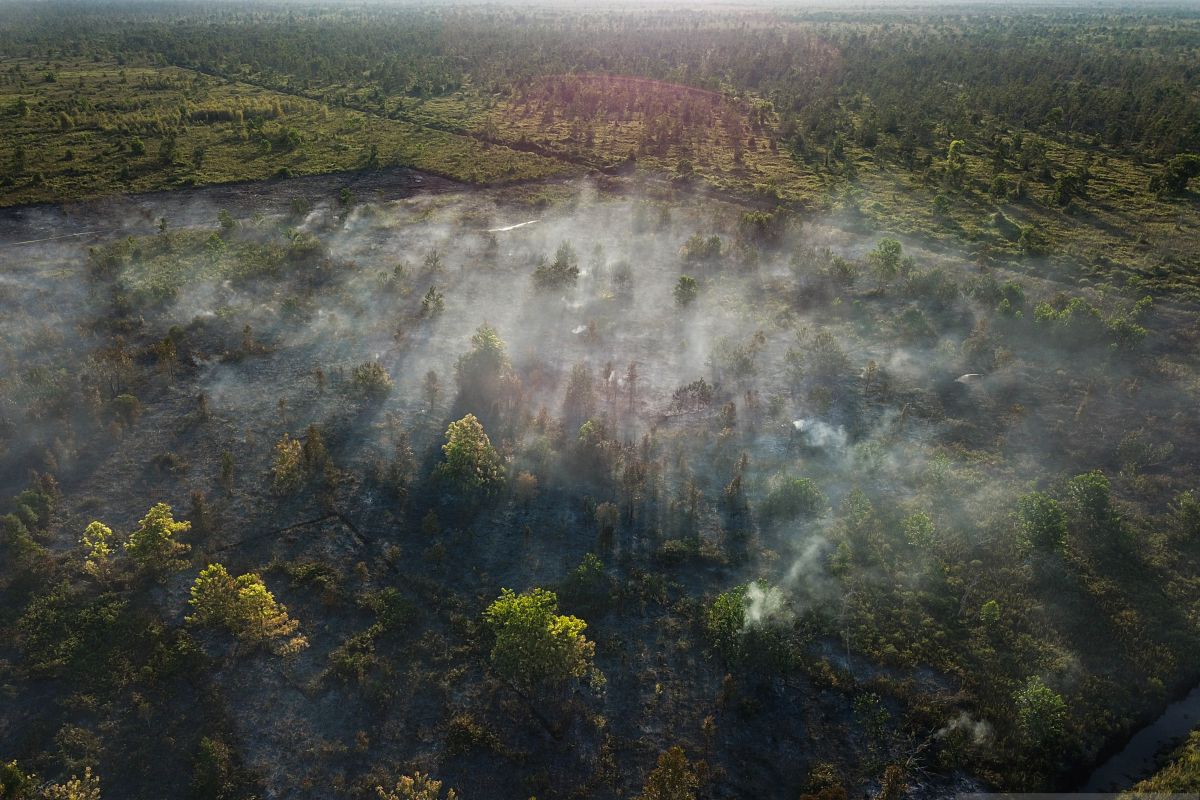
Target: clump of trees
x=245, y=608
x=299, y=462
x=673, y=777
x=534, y=646
x=748, y=627
x=792, y=498
x=561, y=272
x=1079, y=325
x=370, y=381
x=28, y=518
x=415, y=787
x=692, y=397
x=16, y=784
x=82, y=787
x=700, y=249
x=1175, y=175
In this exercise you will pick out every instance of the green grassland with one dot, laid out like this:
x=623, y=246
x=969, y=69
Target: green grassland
x=1180, y=776
x=1117, y=230
x=76, y=129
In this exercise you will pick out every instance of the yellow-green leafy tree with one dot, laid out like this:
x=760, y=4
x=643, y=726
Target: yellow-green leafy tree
x=415, y=787
x=153, y=546
x=77, y=788
x=97, y=543
x=535, y=646
x=471, y=464
x=213, y=597
x=673, y=778
x=245, y=607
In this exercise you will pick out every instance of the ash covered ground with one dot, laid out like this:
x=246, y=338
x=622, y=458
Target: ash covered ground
x=690, y=401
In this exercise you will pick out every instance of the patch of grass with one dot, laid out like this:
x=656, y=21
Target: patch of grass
x=101, y=128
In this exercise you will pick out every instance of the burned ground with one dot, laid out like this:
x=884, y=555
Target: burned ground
x=921, y=394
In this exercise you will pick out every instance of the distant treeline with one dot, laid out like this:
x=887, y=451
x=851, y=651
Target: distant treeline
x=1125, y=78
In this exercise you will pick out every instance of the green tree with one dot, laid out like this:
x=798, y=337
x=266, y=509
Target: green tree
x=686, y=291
x=725, y=620
x=153, y=546
x=823, y=357
x=471, y=463
x=1185, y=514
x=672, y=778
x=745, y=625
x=941, y=206
x=481, y=370
x=535, y=646
x=227, y=469
x=587, y=588
x=488, y=354
x=989, y=613
x=1041, y=521
x=955, y=163
x=919, y=530
x=884, y=261
x=1041, y=714
x=213, y=597
x=433, y=303
x=20, y=160
x=433, y=262
x=791, y=498
x=1091, y=500
x=314, y=455
x=260, y=618
x=431, y=390
x=525, y=488
x=215, y=774
x=580, y=399
x=607, y=516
